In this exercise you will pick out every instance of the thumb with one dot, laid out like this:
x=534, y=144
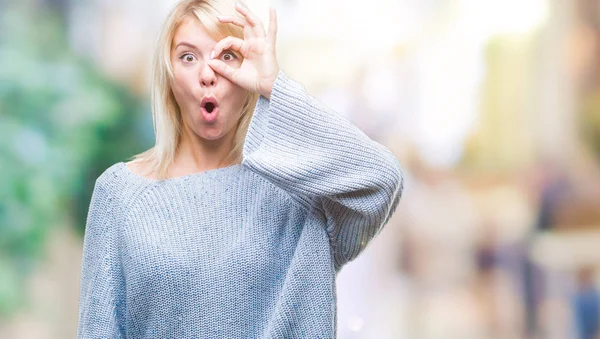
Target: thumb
x=223, y=69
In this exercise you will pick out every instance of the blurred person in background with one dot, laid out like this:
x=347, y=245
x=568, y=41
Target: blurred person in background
x=255, y=195
x=487, y=272
x=586, y=304
x=553, y=187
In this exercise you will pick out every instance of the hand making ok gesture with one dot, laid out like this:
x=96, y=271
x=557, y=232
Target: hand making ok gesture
x=259, y=68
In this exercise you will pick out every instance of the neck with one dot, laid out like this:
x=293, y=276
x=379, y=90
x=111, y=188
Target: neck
x=196, y=154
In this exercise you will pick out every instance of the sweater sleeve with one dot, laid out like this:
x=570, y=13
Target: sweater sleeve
x=327, y=163
x=101, y=298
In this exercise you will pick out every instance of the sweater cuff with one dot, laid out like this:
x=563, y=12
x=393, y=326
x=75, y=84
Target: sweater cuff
x=287, y=95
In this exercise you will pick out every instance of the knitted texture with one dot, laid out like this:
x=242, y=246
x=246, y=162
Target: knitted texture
x=246, y=251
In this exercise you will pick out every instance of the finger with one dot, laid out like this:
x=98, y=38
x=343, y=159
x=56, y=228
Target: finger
x=230, y=42
x=252, y=19
x=223, y=69
x=272, y=34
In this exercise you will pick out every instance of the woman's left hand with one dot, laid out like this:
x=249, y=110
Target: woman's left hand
x=259, y=69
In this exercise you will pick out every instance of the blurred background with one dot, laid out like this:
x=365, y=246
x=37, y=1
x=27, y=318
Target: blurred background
x=491, y=106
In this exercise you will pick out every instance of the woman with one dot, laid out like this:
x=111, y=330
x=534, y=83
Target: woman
x=236, y=222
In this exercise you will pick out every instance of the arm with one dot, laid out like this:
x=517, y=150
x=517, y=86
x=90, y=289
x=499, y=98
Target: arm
x=303, y=147
x=101, y=298
x=319, y=157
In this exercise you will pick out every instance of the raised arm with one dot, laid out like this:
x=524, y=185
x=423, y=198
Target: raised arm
x=307, y=149
x=326, y=162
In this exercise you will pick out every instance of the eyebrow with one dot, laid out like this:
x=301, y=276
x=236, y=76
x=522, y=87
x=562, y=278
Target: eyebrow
x=183, y=43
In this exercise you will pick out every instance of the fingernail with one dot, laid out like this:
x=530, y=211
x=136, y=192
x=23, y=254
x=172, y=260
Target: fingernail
x=212, y=54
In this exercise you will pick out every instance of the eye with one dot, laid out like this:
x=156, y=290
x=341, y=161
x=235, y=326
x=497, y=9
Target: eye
x=228, y=56
x=187, y=57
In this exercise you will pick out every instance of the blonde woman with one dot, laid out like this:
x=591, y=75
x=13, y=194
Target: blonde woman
x=255, y=194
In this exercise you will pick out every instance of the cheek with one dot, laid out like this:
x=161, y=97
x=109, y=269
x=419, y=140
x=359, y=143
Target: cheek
x=182, y=85
x=238, y=96
x=237, y=103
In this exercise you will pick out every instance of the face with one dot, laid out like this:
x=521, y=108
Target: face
x=210, y=104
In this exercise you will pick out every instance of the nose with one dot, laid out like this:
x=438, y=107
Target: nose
x=208, y=78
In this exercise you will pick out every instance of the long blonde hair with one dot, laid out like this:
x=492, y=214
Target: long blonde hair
x=166, y=114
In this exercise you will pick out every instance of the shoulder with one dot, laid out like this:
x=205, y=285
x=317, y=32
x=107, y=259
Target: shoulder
x=117, y=179
x=111, y=175
x=137, y=167
x=123, y=172
x=140, y=169
x=116, y=186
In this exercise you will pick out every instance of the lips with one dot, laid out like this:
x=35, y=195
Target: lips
x=210, y=109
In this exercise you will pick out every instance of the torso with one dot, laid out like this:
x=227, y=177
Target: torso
x=221, y=247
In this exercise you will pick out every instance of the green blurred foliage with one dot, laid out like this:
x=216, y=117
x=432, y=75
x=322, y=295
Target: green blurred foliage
x=61, y=124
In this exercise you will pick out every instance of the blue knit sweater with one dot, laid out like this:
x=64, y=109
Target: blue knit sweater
x=245, y=251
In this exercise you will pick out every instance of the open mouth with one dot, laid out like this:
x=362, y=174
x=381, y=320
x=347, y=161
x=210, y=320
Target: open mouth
x=209, y=104
x=209, y=107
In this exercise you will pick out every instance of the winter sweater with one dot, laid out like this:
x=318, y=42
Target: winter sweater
x=246, y=251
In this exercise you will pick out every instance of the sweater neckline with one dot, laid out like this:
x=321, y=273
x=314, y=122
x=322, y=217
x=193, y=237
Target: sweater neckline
x=210, y=173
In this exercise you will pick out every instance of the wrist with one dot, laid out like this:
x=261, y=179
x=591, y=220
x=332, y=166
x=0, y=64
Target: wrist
x=268, y=85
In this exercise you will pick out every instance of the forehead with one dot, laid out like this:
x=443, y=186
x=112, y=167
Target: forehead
x=192, y=31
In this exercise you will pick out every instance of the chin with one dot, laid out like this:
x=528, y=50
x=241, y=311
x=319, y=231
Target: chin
x=211, y=134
